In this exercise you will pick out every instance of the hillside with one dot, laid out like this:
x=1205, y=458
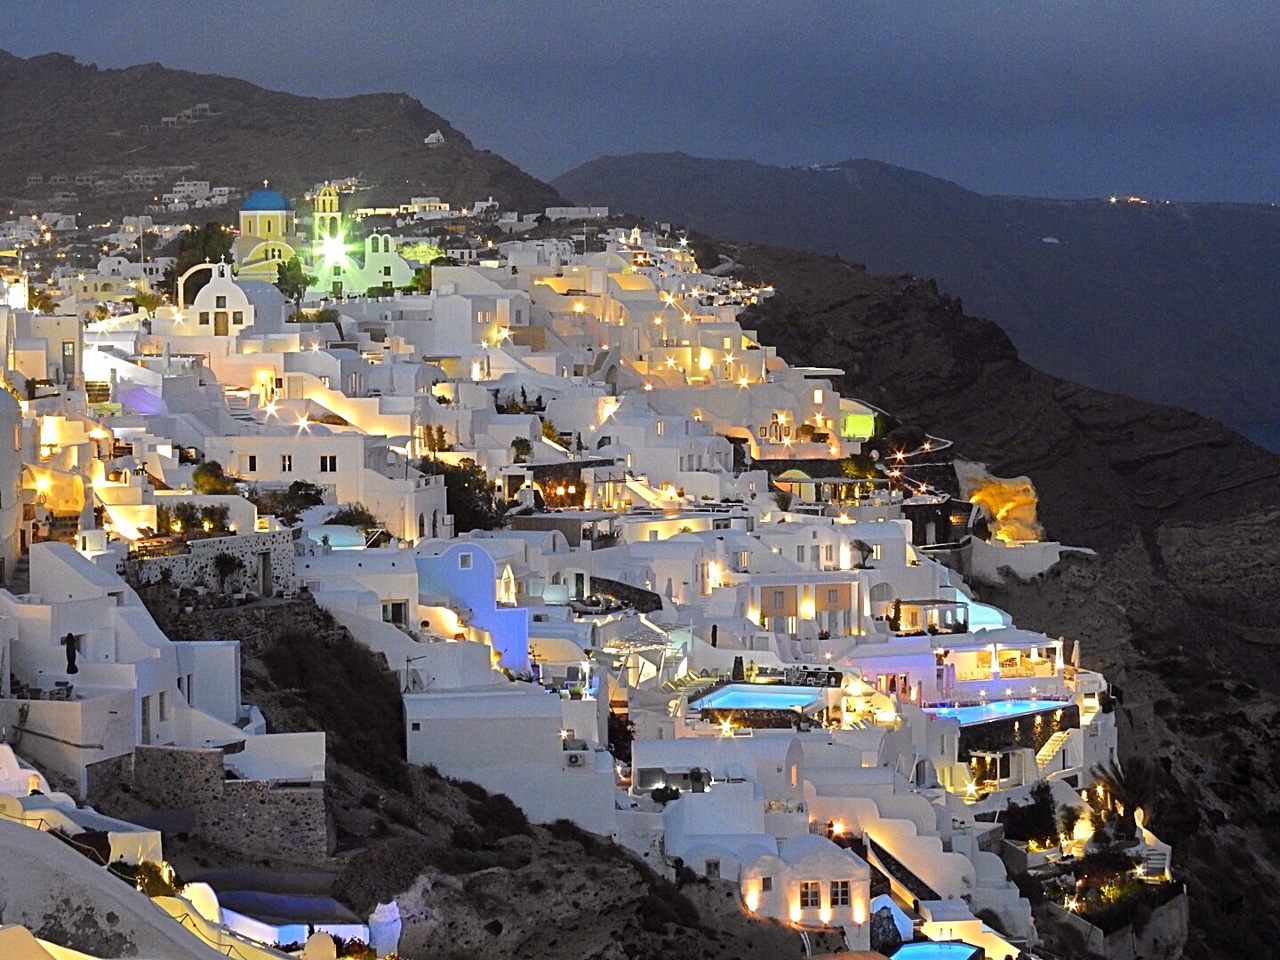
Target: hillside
x=52, y=107
x=1176, y=609
x=1174, y=303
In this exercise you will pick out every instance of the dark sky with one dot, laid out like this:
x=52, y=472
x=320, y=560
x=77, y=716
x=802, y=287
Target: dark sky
x=1065, y=98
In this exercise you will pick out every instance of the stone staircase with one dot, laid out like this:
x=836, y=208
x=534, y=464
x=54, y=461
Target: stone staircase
x=1050, y=749
x=20, y=580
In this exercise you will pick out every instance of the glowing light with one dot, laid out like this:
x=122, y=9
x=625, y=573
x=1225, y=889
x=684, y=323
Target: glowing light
x=796, y=913
x=752, y=899
x=304, y=423
x=825, y=915
x=43, y=483
x=579, y=308
x=564, y=734
x=859, y=912
x=270, y=408
x=333, y=248
x=837, y=828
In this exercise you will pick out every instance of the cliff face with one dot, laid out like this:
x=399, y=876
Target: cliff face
x=1185, y=515
x=52, y=108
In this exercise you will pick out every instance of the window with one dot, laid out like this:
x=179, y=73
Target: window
x=329, y=463
x=286, y=463
x=337, y=270
x=220, y=302
x=237, y=316
x=415, y=726
x=661, y=427
x=713, y=869
x=766, y=884
x=251, y=463
x=464, y=561
x=831, y=595
x=840, y=893
x=164, y=706
x=800, y=553
x=810, y=894
x=817, y=396
x=386, y=271
x=829, y=553
x=779, y=599
x=875, y=551
x=204, y=317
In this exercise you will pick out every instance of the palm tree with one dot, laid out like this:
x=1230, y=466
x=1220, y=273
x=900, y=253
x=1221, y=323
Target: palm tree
x=1128, y=788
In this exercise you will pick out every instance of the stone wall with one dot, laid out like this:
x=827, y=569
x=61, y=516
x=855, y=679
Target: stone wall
x=104, y=776
x=197, y=568
x=251, y=816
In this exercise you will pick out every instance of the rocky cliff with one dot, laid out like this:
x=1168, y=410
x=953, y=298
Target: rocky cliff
x=1177, y=608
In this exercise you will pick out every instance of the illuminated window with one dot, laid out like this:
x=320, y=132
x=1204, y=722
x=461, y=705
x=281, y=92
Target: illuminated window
x=810, y=894
x=875, y=551
x=840, y=893
x=817, y=396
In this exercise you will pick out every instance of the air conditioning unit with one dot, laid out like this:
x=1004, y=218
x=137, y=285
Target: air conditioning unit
x=576, y=759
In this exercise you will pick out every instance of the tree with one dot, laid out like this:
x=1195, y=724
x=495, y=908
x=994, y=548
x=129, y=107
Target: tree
x=148, y=301
x=521, y=450
x=1129, y=788
x=293, y=281
x=40, y=300
x=208, y=479
x=205, y=244
x=470, y=497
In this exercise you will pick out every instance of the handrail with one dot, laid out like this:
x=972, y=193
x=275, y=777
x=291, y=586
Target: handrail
x=22, y=728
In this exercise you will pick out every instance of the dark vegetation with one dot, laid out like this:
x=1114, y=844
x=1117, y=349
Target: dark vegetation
x=470, y=496
x=253, y=133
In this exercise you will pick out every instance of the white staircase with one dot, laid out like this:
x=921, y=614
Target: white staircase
x=1155, y=864
x=1051, y=748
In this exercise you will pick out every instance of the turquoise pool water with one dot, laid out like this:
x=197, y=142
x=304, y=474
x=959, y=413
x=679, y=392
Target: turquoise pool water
x=759, y=696
x=937, y=951
x=995, y=710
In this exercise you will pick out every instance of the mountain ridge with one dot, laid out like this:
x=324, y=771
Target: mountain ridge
x=295, y=141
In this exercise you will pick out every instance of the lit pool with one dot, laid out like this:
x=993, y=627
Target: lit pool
x=760, y=696
x=996, y=710
x=920, y=950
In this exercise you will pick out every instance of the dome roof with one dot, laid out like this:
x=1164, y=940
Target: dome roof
x=266, y=200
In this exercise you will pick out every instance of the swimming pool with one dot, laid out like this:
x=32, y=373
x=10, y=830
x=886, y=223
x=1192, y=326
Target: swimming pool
x=921, y=950
x=760, y=696
x=996, y=710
